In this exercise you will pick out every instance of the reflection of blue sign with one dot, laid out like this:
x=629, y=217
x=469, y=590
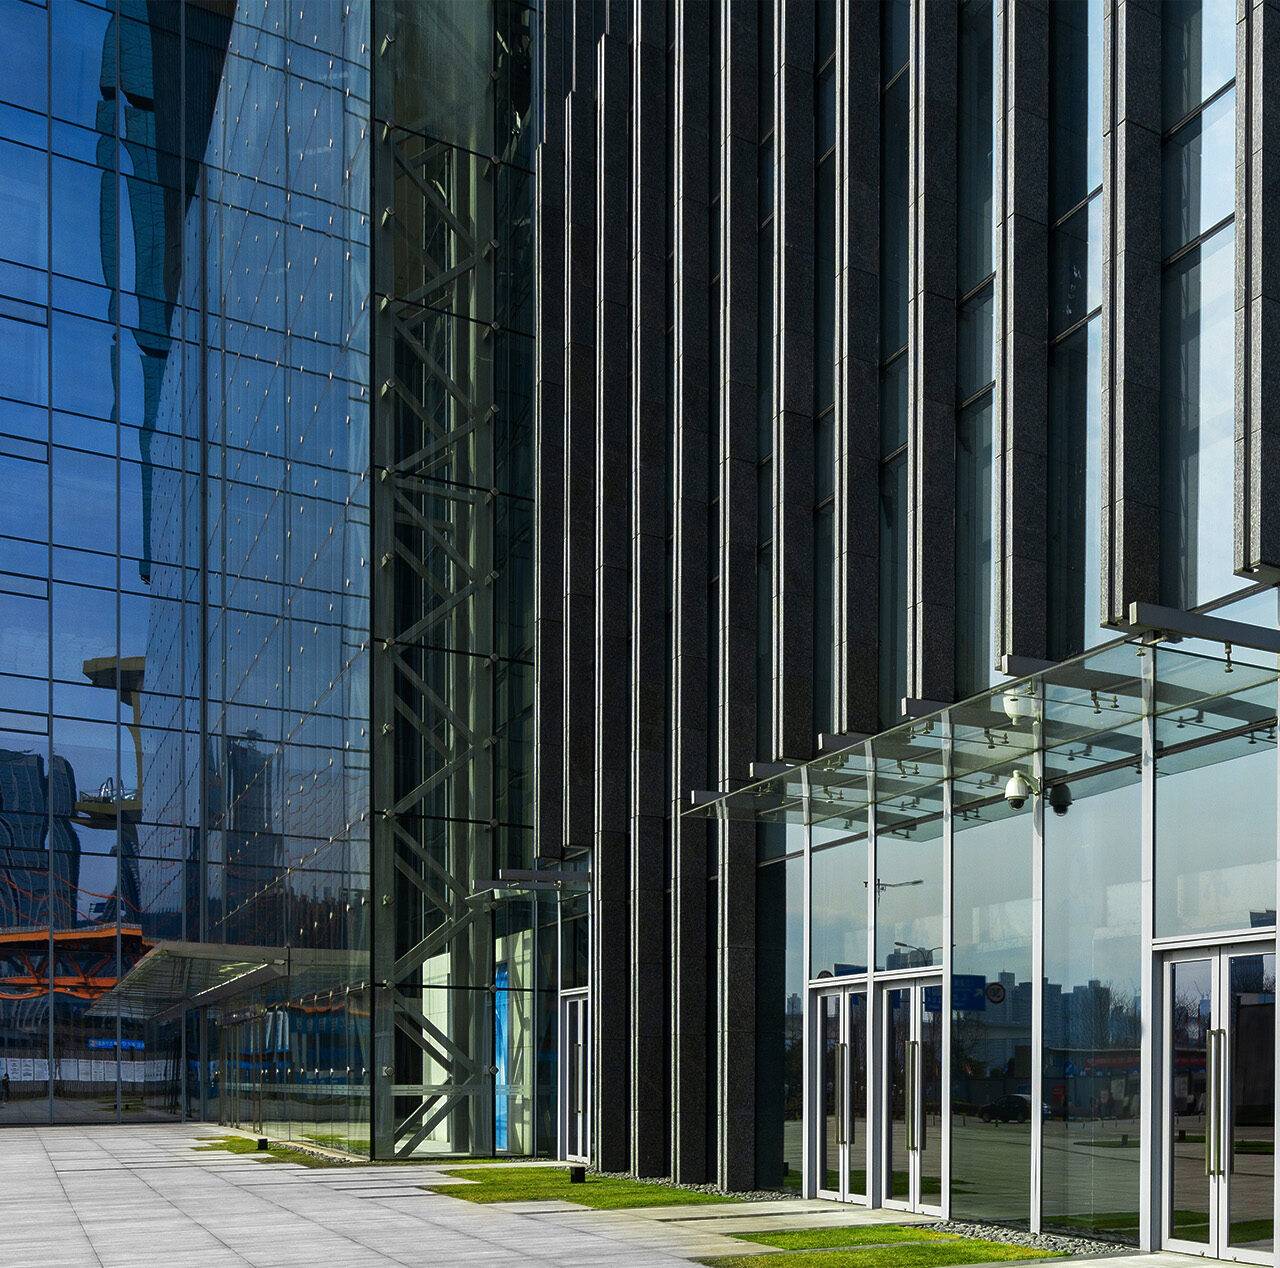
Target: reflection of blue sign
x=968, y=992
x=126, y=1045
x=933, y=999
x=501, y=980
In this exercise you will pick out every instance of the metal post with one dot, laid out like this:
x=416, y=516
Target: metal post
x=948, y=940
x=1037, y=960
x=1150, y=1145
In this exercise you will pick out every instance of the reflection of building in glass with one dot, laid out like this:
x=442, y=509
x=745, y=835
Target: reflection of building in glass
x=185, y=579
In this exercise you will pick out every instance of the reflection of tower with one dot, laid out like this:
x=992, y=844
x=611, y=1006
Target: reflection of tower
x=254, y=851
x=124, y=675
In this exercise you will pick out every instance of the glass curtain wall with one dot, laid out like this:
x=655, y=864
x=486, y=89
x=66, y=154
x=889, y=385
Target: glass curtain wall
x=1075, y=305
x=895, y=81
x=975, y=361
x=1078, y=736
x=764, y=380
x=183, y=545
x=824, y=362
x=1197, y=322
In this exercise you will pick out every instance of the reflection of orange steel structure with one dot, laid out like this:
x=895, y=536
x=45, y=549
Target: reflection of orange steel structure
x=84, y=960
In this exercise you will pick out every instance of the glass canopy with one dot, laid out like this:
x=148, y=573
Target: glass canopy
x=1082, y=717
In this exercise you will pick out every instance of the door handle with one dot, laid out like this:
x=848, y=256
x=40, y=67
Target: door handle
x=1214, y=1051
x=911, y=1094
x=1219, y=1112
x=1210, y=1090
x=841, y=1059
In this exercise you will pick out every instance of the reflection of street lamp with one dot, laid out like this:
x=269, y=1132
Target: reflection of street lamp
x=881, y=886
x=923, y=956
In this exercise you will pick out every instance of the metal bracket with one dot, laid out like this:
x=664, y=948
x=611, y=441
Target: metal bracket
x=1174, y=623
x=843, y=740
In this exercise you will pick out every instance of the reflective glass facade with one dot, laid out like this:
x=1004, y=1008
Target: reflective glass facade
x=185, y=551
x=1134, y=761
x=194, y=298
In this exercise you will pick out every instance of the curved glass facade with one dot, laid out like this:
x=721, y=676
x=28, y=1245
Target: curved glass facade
x=184, y=569
x=187, y=559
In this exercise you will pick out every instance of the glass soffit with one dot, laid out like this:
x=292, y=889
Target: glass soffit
x=1085, y=714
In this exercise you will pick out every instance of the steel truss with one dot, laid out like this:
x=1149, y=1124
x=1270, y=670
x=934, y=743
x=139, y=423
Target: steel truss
x=434, y=656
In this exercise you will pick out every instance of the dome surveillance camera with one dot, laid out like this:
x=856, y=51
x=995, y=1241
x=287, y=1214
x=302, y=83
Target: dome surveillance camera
x=1060, y=798
x=1017, y=790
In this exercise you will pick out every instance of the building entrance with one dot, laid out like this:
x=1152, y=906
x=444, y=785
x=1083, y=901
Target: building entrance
x=1219, y=1101
x=842, y=1092
x=912, y=1094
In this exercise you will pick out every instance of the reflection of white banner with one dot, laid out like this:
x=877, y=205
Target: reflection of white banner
x=28, y=1070
x=41, y=1071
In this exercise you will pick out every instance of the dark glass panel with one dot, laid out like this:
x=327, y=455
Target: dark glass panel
x=1198, y=164
x=824, y=291
x=1075, y=492
x=991, y=1104
x=1199, y=53
x=780, y=1024
x=974, y=548
x=1197, y=408
x=825, y=31
x=1075, y=267
x=895, y=36
x=1075, y=106
x=893, y=406
x=975, y=126
x=824, y=618
x=975, y=360
x=893, y=588
x=894, y=233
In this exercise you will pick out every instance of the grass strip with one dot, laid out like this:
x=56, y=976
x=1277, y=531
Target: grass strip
x=551, y=1184
x=964, y=1250
x=274, y=1152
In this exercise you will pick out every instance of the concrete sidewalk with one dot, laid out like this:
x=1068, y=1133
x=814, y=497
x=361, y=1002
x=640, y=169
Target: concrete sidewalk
x=142, y=1197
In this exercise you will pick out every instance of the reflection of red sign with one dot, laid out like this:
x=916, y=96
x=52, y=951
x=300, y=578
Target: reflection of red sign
x=995, y=992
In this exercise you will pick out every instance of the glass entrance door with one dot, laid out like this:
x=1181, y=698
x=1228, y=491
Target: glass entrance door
x=575, y=1136
x=912, y=1098
x=841, y=1093
x=1219, y=1102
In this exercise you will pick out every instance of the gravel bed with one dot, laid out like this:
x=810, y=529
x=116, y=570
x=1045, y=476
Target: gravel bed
x=1058, y=1243
x=752, y=1195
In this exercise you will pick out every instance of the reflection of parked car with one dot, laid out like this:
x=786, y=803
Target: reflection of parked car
x=1007, y=1109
